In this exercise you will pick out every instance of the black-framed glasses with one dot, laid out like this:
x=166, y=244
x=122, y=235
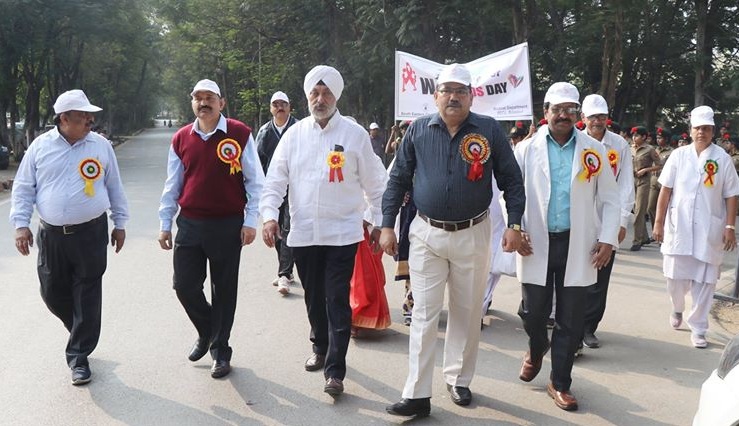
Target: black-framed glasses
x=568, y=110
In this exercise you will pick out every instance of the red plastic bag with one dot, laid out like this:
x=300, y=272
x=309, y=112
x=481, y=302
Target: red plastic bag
x=367, y=296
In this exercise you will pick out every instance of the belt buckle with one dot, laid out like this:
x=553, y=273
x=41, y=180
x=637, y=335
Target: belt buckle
x=67, y=230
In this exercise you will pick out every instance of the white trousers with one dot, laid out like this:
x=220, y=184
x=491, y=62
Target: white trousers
x=702, y=294
x=459, y=261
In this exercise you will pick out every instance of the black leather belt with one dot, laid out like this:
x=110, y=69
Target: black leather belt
x=71, y=229
x=559, y=235
x=454, y=226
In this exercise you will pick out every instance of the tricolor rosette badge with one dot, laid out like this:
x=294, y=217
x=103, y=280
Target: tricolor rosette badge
x=229, y=151
x=90, y=169
x=591, y=164
x=335, y=162
x=613, y=160
x=711, y=168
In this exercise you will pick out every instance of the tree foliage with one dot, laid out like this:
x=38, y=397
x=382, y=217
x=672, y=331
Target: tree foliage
x=653, y=60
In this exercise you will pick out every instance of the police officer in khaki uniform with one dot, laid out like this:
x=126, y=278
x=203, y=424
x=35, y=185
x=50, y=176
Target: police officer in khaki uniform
x=646, y=161
x=664, y=149
x=731, y=145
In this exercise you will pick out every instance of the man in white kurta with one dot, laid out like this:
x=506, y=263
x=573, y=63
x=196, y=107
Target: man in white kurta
x=333, y=174
x=569, y=186
x=696, y=212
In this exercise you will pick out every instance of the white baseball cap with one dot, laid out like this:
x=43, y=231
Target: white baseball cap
x=454, y=73
x=279, y=96
x=206, y=85
x=374, y=126
x=561, y=93
x=74, y=100
x=594, y=105
x=701, y=116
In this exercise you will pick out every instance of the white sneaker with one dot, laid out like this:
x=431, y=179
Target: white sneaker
x=291, y=280
x=698, y=340
x=275, y=281
x=283, y=286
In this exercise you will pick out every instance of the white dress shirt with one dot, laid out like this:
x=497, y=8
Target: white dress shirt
x=250, y=167
x=323, y=212
x=49, y=177
x=624, y=173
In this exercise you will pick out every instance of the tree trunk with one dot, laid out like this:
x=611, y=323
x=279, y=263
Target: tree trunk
x=701, y=10
x=612, y=53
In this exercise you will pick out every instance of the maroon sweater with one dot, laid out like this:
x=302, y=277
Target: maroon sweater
x=209, y=189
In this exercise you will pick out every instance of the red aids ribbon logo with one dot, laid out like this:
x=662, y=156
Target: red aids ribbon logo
x=613, y=160
x=409, y=76
x=591, y=165
x=475, y=150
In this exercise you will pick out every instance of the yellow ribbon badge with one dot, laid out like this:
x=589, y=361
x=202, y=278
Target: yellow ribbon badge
x=90, y=169
x=229, y=151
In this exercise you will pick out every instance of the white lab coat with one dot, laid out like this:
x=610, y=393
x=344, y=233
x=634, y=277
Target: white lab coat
x=588, y=201
x=696, y=214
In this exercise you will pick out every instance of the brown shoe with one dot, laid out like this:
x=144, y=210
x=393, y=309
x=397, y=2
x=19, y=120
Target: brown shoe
x=334, y=386
x=531, y=367
x=563, y=399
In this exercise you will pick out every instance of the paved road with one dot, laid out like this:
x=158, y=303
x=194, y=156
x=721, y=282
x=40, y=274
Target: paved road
x=645, y=373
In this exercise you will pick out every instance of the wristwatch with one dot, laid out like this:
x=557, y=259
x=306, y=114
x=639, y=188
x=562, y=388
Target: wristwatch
x=514, y=226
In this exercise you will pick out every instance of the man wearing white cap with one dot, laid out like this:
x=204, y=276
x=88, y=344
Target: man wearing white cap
x=571, y=225
x=268, y=137
x=378, y=142
x=71, y=175
x=449, y=159
x=619, y=162
x=214, y=180
x=699, y=189
x=327, y=162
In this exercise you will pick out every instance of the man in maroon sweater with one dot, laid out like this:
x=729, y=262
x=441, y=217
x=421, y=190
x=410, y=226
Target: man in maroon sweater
x=215, y=178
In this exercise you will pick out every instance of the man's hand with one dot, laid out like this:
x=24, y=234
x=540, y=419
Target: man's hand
x=247, y=235
x=621, y=234
x=23, y=240
x=374, y=241
x=524, y=248
x=270, y=233
x=511, y=240
x=388, y=241
x=117, y=238
x=601, y=255
x=165, y=240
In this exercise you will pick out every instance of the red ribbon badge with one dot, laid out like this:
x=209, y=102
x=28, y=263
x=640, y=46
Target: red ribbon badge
x=229, y=151
x=591, y=164
x=613, y=160
x=711, y=169
x=475, y=150
x=335, y=162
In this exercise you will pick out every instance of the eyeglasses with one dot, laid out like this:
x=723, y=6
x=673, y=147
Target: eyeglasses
x=462, y=91
x=599, y=117
x=559, y=110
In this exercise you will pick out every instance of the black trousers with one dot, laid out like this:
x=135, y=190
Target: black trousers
x=536, y=306
x=216, y=242
x=596, y=298
x=284, y=252
x=70, y=270
x=325, y=272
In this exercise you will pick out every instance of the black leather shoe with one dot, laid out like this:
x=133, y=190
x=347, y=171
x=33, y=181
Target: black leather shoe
x=315, y=362
x=81, y=375
x=460, y=395
x=220, y=369
x=591, y=341
x=407, y=407
x=635, y=247
x=199, y=349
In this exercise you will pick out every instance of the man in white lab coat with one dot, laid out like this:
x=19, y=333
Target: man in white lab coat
x=569, y=184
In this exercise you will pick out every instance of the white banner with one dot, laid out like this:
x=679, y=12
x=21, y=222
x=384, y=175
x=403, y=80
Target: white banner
x=501, y=85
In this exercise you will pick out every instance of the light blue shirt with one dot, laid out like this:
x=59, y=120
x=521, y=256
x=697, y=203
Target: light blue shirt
x=250, y=167
x=560, y=170
x=50, y=177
